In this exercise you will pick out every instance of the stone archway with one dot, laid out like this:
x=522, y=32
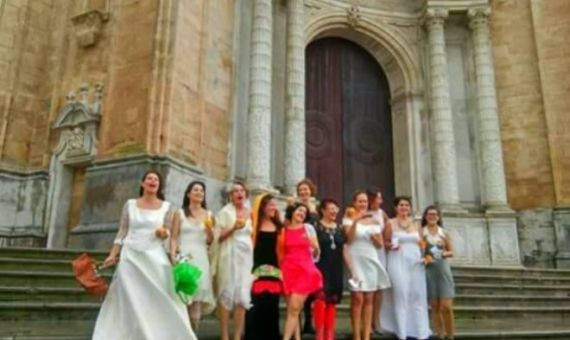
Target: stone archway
x=402, y=67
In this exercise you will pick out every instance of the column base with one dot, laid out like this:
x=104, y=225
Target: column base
x=452, y=210
x=499, y=210
x=483, y=240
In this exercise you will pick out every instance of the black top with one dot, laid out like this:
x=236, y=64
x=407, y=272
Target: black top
x=331, y=261
x=264, y=252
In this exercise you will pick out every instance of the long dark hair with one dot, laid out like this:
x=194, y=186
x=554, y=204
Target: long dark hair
x=261, y=213
x=159, y=193
x=424, y=216
x=186, y=199
x=372, y=193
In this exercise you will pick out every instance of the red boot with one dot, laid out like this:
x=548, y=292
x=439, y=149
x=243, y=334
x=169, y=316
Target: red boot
x=330, y=321
x=319, y=318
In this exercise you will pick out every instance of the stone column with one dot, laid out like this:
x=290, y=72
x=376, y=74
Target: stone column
x=495, y=190
x=259, y=115
x=295, y=115
x=447, y=188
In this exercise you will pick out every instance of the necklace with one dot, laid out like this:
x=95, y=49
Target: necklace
x=330, y=230
x=405, y=228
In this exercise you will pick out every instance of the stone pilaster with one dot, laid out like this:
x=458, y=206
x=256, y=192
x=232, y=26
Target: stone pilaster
x=447, y=189
x=295, y=115
x=259, y=116
x=494, y=183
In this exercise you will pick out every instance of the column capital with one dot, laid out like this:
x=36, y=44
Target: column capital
x=478, y=16
x=435, y=17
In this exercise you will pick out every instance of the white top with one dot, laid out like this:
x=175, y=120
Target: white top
x=137, y=225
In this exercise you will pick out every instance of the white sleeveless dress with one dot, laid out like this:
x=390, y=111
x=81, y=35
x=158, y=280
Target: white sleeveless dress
x=365, y=261
x=193, y=242
x=141, y=302
x=404, y=307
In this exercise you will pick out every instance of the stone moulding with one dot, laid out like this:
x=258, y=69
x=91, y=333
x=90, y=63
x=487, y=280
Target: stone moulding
x=88, y=26
x=77, y=122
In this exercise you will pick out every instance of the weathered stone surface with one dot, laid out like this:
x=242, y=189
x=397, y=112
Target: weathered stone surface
x=109, y=184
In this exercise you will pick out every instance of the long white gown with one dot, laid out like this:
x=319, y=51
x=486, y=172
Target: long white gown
x=365, y=261
x=141, y=302
x=193, y=243
x=404, y=306
x=233, y=261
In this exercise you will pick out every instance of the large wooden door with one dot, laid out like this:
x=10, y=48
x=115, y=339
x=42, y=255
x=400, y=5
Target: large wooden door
x=349, y=126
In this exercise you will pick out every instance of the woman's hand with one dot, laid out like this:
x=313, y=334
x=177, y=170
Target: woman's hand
x=161, y=232
x=377, y=240
x=240, y=223
x=110, y=261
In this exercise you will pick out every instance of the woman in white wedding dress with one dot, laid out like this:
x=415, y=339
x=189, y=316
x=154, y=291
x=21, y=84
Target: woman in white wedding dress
x=404, y=308
x=141, y=302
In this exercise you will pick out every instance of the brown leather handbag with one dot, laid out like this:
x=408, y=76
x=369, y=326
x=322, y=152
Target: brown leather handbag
x=86, y=273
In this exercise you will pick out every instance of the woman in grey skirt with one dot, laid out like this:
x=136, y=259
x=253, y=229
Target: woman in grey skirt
x=440, y=285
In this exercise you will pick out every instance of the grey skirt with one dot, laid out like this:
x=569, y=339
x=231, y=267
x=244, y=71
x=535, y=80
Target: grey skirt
x=440, y=283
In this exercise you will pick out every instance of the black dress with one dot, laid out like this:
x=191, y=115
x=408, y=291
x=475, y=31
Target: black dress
x=331, y=262
x=262, y=319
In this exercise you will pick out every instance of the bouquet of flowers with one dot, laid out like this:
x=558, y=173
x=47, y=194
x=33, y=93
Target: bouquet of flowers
x=186, y=278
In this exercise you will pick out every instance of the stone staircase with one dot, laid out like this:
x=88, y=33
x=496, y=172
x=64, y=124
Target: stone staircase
x=39, y=299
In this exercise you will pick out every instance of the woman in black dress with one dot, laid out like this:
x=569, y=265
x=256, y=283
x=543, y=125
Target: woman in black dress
x=262, y=319
x=332, y=243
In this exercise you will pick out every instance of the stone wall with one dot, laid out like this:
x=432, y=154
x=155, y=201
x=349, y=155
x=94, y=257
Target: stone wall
x=523, y=125
x=198, y=127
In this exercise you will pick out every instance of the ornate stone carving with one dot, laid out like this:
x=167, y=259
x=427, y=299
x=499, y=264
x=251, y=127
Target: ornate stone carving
x=78, y=122
x=88, y=26
x=447, y=187
x=353, y=16
x=295, y=115
x=259, y=116
x=494, y=183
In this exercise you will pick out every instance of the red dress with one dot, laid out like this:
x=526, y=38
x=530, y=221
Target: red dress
x=300, y=274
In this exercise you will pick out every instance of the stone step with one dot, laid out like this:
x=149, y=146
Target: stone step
x=45, y=294
x=505, y=279
x=20, y=264
x=47, y=254
x=14, y=278
x=510, y=271
x=468, y=315
x=511, y=300
x=77, y=319
x=77, y=294
x=493, y=289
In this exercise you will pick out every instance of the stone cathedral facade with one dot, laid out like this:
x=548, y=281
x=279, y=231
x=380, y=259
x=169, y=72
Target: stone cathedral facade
x=462, y=103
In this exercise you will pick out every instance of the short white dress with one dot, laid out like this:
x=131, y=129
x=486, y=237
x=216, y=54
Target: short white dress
x=365, y=261
x=193, y=243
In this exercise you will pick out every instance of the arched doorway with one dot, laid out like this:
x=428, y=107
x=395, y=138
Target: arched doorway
x=348, y=121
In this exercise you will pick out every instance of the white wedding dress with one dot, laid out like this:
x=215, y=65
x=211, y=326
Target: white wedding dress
x=404, y=309
x=141, y=303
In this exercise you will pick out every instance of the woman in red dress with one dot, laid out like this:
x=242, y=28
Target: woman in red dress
x=298, y=247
